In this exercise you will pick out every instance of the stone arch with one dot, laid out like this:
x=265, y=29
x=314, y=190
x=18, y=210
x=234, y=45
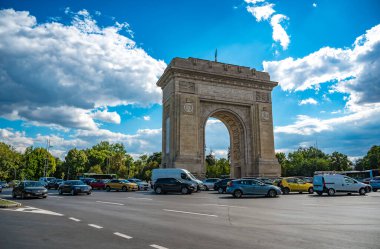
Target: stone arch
x=237, y=132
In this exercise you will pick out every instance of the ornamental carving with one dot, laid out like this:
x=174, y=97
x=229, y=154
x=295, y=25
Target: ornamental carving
x=262, y=97
x=186, y=87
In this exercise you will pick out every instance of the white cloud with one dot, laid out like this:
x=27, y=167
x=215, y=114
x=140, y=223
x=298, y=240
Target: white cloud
x=146, y=118
x=315, y=5
x=279, y=33
x=264, y=11
x=106, y=116
x=310, y=101
x=81, y=66
x=15, y=138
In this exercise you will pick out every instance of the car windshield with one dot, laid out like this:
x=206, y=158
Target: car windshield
x=76, y=183
x=32, y=184
x=137, y=180
x=125, y=181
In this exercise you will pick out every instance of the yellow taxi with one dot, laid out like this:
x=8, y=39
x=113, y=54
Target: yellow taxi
x=121, y=184
x=294, y=184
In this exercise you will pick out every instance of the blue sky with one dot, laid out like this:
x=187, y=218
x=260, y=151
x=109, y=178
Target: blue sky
x=79, y=72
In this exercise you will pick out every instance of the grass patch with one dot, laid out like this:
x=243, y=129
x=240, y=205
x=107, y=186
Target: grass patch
x=6, y=203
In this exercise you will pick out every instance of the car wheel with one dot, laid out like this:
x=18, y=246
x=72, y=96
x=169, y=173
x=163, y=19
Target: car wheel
x=286, y=191
x=108, y=188
x=319, y=193
x=362, y=191
x=311, y=190
x=184, y=190
x=272, y=193
x=331, y=192
x=124, y=188
x=220, y=190
x=237, y=193
x=158, y=190
x=206, y=188
x=60, y=192
x=89, y=192
x=72, y=192
x=44, y=197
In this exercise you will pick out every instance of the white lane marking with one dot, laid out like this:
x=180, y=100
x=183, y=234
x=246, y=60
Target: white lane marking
x=219, y=205
x=123, y=235
x=185, y=212
x=95, y=226
x=140, y=198
x=28, y=209
x=158, y=247
x=74, y=219
x=112, y=203
x=52, y=196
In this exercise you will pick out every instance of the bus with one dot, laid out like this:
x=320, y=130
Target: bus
x=362, y=176
x=96, y=176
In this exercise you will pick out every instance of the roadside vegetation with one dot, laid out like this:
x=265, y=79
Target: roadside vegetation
x=108, y=158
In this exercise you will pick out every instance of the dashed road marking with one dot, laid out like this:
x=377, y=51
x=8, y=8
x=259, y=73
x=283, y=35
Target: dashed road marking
x=111, y=203
x=123, y=235
x=219, y=205
x=158, y=247
x=95, y=226
x=74, y=219
x=140, y=198
x=185, y=212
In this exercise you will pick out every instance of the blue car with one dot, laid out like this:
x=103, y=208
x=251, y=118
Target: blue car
x=375, y=183
x=241, y=187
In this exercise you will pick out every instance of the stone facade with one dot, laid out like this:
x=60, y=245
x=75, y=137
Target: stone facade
x=240, y=97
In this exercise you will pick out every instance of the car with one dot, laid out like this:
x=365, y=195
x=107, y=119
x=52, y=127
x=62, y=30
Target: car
x=177, y=173
x=221, y=185
x=98, y=184
x=334, y=183
x=210, y=182
x=294, y=184
x=54, y=184
x=74, y=187
x=121, y=184
x=45, y=180
x=375, y=183
x=4, y=184
x=29, y=189
x=143, y=185
x=1, y=188
x=164, y=185
x=241, y=187
x=87, y=180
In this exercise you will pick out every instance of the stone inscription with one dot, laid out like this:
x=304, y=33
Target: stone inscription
x=186, y=87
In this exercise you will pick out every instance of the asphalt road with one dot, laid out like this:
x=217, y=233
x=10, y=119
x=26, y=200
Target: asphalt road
x=201, y=220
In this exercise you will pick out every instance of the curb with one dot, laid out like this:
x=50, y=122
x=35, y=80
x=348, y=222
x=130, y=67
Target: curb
x=11, y=205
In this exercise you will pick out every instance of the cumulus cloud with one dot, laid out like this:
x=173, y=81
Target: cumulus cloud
x=106, y=116
x=315, y=5
x=146, y=118
x=45, y=67
x=17, y=139
x=310, y=101
x=354, y=71
x=264, y=11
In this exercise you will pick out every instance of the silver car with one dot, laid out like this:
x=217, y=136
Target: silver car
x=209, y=183
x=143, y=185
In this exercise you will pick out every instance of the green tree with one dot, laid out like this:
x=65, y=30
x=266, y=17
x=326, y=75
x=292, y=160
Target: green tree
x=37, y=161
x=10, y=162
x=371, y=160
x=75, y=161
x=339, y=162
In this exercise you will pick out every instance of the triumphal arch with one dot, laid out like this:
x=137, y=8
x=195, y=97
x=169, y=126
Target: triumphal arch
x=240, y=97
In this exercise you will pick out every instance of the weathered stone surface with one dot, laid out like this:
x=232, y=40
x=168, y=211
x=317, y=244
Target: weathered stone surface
x=193, y=91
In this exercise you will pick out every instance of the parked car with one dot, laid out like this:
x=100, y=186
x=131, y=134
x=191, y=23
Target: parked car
x=375, y=183
x=241, y=187
x=4, y=184
x=143, y=185
x=335, y=183
x=221, y=185
x=54, y=184
x=46, y=180
x=293, y=184
x=87, y=180
x=121, y=184
x=1, y=188
x=177, y=173
x=74, y=187
x=98, y=184
x=209, y=183
x=164, y=185
x=13, y=183
x=29, y=189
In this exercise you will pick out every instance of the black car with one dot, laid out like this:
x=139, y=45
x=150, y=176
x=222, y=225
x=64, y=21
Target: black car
x=164, y=185
x=74, y=187
x=29, y=189
x=221, y=185
x=87, y=180
x=54, y=184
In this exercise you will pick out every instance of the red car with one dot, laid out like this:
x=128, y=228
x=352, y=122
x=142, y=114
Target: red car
x=98, y=184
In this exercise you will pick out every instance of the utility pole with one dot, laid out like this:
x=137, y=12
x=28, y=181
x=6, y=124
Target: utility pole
x=47, y=157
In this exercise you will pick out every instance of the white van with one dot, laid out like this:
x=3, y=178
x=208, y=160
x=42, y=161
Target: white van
x=181, y=174
x=335, y=183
